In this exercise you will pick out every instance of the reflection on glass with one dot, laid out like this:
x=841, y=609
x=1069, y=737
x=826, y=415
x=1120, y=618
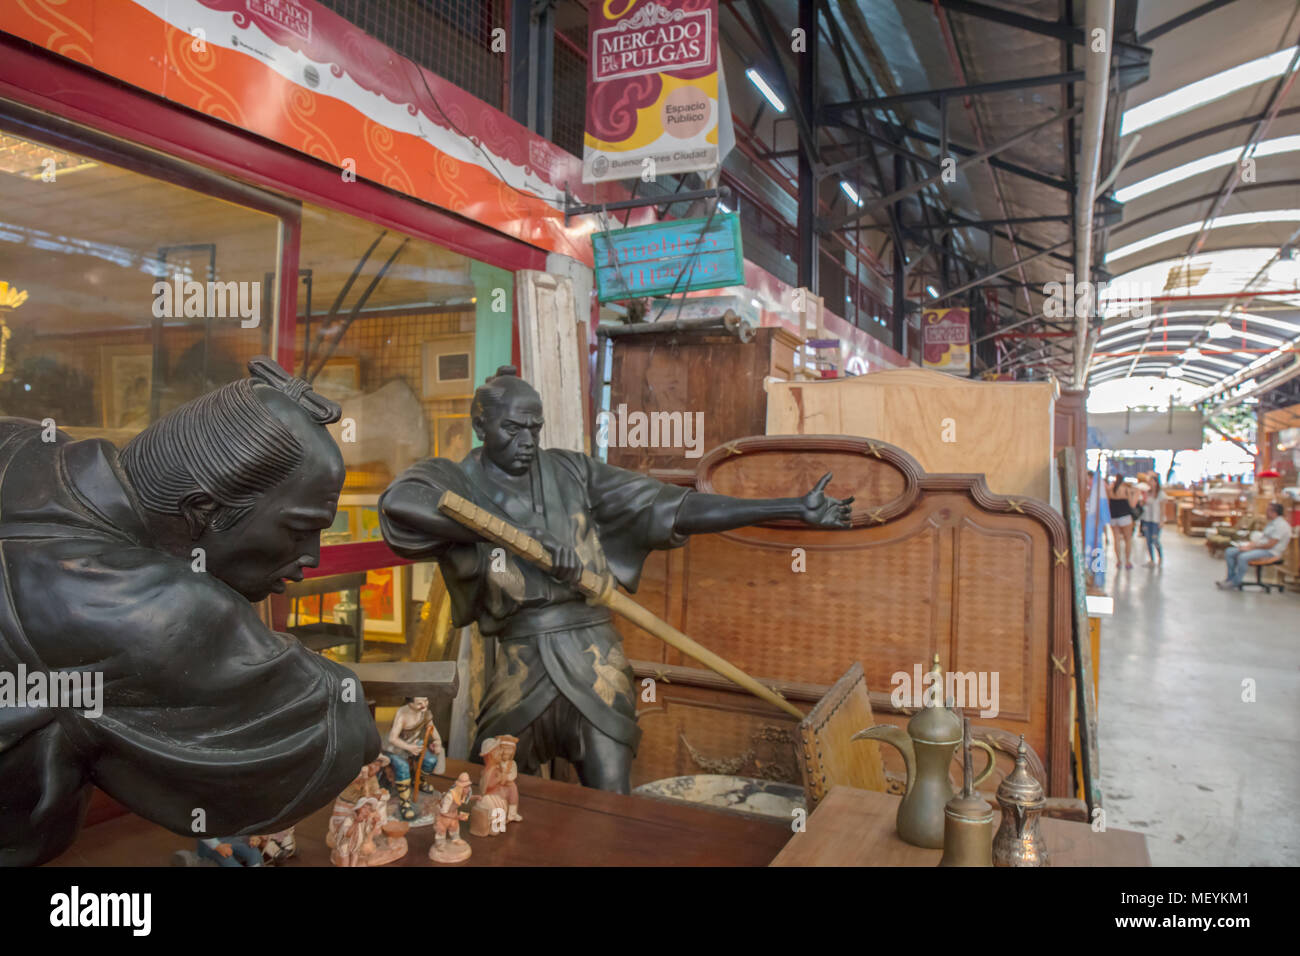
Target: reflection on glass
x=141, y=294
x=386, y=327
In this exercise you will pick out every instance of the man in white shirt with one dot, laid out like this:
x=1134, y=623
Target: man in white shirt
x=1269, y=543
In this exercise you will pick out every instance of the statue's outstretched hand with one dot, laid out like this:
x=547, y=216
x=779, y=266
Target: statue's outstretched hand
x=822, y=511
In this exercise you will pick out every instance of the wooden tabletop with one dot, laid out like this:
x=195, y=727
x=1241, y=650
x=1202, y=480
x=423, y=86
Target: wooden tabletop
x=564, y=825
x=858, y=828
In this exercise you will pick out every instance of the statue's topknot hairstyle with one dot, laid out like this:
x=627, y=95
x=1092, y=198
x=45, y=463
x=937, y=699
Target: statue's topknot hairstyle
x=492, y=393
x=226, y=444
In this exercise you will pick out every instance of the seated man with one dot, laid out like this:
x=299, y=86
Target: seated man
x=139, y=568
x=413, y=735
x=1269, y=543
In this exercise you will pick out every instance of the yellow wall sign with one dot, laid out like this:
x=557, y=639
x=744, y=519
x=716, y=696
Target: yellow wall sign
x=945, y=340
x=652, y=90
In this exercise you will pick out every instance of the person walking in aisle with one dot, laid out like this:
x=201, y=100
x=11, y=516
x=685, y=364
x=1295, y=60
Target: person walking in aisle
x=1121, y=500
x=1153, y=512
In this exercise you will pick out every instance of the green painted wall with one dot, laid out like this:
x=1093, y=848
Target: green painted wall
x=493, y=320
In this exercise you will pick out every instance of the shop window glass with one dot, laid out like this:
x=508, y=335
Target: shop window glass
x=92, y=257
x=385, y=327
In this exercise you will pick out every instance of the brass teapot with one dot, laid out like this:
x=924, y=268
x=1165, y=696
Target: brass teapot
x=933, y=734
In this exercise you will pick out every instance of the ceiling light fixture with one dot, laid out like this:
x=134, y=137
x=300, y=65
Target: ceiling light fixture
x=768, y=93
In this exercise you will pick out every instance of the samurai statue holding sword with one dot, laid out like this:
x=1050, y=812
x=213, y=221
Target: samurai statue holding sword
x=561, y=682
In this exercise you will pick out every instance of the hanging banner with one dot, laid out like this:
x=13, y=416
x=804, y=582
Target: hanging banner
x=945, y=340
x=653, y=98
x=676, y=256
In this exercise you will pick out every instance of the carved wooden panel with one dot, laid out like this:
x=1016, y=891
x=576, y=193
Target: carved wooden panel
x=932, y=564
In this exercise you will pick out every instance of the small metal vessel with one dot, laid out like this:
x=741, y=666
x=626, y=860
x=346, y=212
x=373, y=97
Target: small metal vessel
x=967, y=818
x=1018, y=842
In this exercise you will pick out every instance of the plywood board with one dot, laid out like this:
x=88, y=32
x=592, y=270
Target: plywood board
x=1002, y=430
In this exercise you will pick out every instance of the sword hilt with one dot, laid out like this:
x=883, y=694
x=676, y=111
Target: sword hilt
x=488, y=526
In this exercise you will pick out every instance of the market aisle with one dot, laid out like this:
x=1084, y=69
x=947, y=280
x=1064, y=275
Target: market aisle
x=1210, y=779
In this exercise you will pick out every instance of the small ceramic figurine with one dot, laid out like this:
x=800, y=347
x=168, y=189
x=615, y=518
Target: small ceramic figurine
x=263, y=850
x=499, y=803
x=223, y=851
x=413, y=739
x=453, y=850
x=276, y=847
x=360, y=831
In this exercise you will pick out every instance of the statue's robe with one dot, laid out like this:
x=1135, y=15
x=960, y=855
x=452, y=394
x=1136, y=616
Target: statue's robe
x=551, y=643
x=209, y=718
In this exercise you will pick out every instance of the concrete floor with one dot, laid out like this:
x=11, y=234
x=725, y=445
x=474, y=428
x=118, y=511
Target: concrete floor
x=1210, y=779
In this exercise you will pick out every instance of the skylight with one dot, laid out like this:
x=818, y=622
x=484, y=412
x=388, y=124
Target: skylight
x=1204, y=91
x=1192, y=228
x=1177, y=329
x=1146, y=321
x=1227, y=157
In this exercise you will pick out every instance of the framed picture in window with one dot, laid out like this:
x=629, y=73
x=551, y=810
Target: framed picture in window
x=339, y=379
x=383, y=602
x=127, y=385
x=340, y=532
x=448, y=367
x=453, y=437
x=363, y=517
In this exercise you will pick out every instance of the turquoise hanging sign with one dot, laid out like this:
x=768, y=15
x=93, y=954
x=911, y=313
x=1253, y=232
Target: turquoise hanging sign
x=680, y=255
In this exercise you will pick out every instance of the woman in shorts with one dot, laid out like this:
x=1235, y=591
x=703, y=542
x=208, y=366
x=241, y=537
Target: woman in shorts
x=1121, y=520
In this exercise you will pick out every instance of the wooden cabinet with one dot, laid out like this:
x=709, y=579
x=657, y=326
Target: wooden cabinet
x=710, y=375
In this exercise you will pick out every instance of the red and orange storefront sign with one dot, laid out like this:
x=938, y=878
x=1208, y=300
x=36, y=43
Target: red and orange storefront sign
x=301, y=76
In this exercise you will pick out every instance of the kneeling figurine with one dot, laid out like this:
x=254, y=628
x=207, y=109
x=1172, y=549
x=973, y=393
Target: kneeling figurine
x=360, y=831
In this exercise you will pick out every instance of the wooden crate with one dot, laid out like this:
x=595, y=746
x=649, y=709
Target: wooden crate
x=708, y=372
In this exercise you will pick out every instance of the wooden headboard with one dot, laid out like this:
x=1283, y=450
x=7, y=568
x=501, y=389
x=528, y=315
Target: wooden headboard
x=932, y=564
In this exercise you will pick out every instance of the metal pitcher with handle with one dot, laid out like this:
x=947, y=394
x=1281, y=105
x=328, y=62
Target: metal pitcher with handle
x=932, y=737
